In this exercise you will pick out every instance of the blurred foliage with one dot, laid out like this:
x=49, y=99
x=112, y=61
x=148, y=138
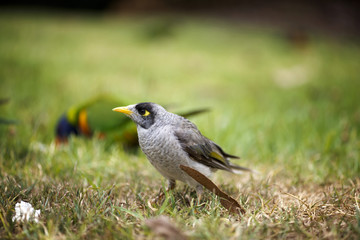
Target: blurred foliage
x=273, y=101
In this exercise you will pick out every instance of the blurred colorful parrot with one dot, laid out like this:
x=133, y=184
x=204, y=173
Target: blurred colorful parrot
x=95, y=118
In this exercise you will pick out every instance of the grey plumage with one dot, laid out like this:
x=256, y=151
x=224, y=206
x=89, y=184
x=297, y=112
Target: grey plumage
x=169, y=140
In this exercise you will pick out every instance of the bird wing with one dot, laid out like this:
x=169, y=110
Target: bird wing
x=201, y=149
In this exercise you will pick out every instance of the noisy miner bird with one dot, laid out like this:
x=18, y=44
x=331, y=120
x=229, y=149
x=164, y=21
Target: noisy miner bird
x=93, y=118
x=169, y=140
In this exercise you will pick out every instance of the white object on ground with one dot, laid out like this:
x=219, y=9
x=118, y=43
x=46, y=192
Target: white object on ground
x=25, y=212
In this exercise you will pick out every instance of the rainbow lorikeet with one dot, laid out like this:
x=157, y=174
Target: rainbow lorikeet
x=95, y=118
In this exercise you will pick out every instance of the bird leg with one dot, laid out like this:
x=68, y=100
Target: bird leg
x=199, y=191
x=171, y=184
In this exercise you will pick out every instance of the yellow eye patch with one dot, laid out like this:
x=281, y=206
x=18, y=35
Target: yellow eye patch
x=147, y=113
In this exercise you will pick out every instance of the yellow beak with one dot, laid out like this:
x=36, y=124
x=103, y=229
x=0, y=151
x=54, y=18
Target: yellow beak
x=123, y=110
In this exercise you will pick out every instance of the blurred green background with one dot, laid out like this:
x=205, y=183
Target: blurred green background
x=274, y=98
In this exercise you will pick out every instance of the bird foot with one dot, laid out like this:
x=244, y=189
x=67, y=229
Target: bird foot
x=161, y=195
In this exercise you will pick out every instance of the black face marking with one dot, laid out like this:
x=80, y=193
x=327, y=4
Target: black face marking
x=141, y=111
x=147, y=121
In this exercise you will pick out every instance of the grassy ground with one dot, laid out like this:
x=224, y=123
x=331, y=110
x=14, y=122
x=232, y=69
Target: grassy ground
x=291, y=112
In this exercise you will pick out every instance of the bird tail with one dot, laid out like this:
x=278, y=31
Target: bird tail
x=239, y=170
x=194, y=112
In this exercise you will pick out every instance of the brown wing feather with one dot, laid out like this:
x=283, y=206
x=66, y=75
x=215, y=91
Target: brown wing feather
x=201, y=149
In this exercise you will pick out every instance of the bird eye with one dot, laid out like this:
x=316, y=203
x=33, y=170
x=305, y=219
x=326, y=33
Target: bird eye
x=146, y=113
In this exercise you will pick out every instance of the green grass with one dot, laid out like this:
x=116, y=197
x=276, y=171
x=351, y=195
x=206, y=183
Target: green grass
x=293, y=114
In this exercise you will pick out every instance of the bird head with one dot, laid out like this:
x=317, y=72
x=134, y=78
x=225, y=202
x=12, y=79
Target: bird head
x=64, y=129
x=143, y=114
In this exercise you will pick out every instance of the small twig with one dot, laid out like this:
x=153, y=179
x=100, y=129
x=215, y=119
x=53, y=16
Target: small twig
x=4, y=100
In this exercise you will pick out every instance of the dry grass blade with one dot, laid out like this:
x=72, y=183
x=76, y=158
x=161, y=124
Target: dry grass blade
x=163, y=227
x=228, y=202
